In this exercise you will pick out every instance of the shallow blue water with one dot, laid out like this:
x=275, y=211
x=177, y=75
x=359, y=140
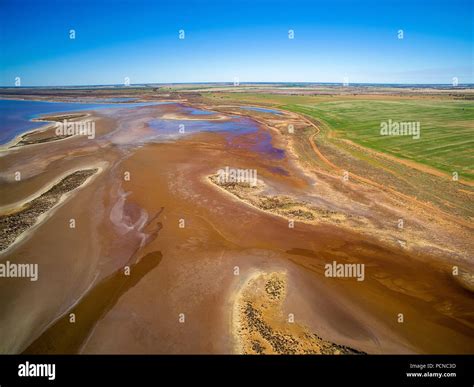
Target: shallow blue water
x=196, y=112
x=261, y=110
x=116, y=99
x=264, y=146
x=171, y=128
x=260, y=141
x=15, y=115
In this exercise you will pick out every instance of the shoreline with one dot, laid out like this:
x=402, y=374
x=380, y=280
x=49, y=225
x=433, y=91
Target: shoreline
x=50, y=123
x=47, y=213
x=280, y=206
x=193, y=277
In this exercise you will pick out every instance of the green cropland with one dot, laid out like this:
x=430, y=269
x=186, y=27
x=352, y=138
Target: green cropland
x=446, y=125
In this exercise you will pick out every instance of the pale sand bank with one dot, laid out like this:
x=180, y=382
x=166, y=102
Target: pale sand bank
x=260, y=325
x=17, y=222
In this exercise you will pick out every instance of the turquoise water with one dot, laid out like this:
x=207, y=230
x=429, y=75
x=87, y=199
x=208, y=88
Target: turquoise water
x=15, y=115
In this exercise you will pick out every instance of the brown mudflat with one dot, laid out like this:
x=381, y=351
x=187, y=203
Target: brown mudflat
x=211, y=241
x=68, y=334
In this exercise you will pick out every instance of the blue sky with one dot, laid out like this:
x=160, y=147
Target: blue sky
x=228, y=39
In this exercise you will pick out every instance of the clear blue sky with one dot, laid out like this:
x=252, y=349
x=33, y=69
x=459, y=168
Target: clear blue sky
x=227, y=39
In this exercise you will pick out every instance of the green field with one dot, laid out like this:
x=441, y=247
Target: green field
x=446, y=129
x=447, y=126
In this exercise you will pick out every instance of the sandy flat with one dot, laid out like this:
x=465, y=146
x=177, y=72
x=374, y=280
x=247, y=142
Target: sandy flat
x=209, y=243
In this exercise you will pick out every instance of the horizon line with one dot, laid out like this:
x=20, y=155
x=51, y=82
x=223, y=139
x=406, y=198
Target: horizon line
x=145, y=84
